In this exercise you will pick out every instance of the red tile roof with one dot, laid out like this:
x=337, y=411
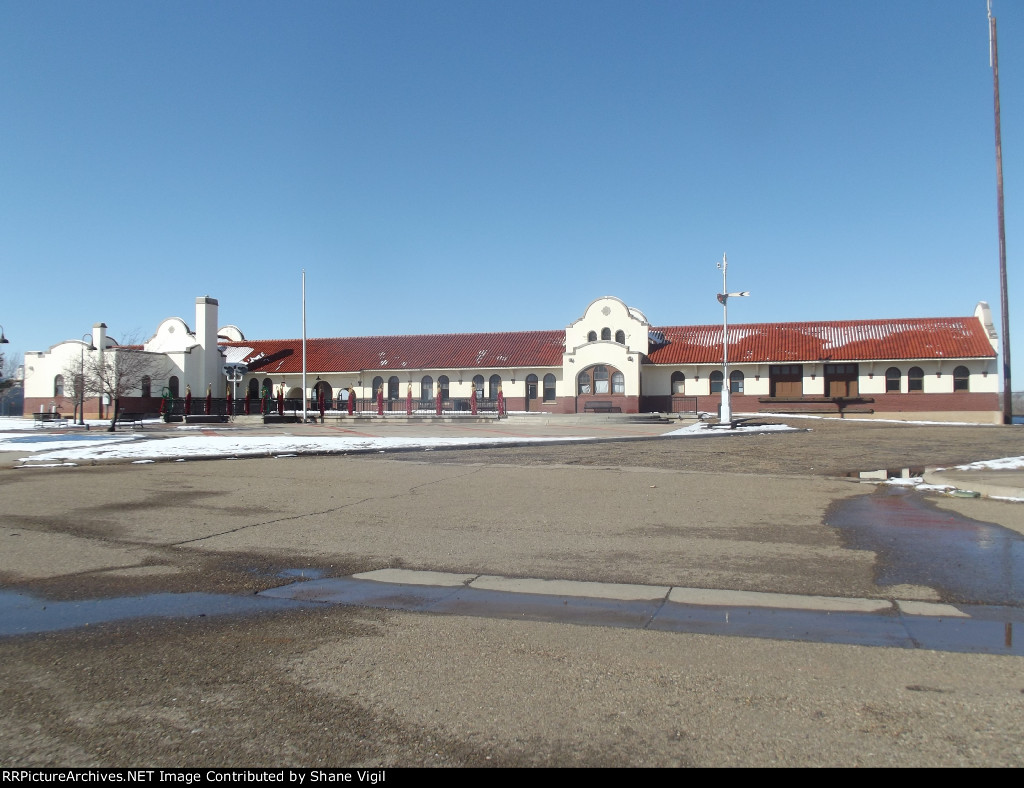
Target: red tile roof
x=852, y=340
x=844, y=340
x=428, y=351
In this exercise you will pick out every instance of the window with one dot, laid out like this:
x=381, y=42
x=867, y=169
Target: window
x=961, y=379
x=600, y=380
x=591, y=336
x=583, y=382
x=716, y=381
x=618, y=383
x=478, y=386
x=58, y=386
x=620, y=337
x=678, y=383
x=549, y=388
x=172, y=385
x=268, y=388
x=736, y=382
x=393, y=385
x=427, y=387
x=442, y=384
x=915, y=379
x=147, y=386
x=254, y=388
x=378, y=382
x=606, y=333
x=892, y=380
x=492, y=386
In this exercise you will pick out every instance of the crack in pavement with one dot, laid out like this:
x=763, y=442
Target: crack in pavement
x=333, y=509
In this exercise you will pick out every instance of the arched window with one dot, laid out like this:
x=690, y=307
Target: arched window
x=591, y=336
x=377, y=383
x=393, y=385
x=600, y=380
x=147, y=386
x=618, y=383
x=961, y=379
x=678, y=383
x=172, y=385
x=715, y=378
x=549, y=388
x=736, y=382
x=58, y=386
x=606, y=333
x=583, y=382
x=254, y=388
x=478, y=386
x=892, y=380
x=620, y=337
x=915, y=379
x=492, y=386
x=427, y=387
x=267, y=388
x=442, y=384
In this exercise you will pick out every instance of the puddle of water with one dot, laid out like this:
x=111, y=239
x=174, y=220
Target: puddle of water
x=983, y=630
x=302, y=574
x=23, y=614
x=920, y=544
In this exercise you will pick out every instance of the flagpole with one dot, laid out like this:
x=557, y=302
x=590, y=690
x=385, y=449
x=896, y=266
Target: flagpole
x=725, y=417
x=303, y=345
x=993, y=54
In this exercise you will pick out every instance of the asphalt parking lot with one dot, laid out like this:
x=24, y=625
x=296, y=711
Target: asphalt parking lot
x=348, y=685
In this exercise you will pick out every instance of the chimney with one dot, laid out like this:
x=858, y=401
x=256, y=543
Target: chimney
x=206, y=336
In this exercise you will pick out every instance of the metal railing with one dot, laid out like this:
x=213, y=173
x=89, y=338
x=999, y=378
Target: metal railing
x=219, y=406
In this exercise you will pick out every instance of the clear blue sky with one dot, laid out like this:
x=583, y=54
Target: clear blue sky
x=484, y=166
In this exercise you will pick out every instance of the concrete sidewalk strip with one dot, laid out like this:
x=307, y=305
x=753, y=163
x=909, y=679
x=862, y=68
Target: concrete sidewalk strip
x=704, y=596
x=575, y=588
x=413, y=577
x=914, y=608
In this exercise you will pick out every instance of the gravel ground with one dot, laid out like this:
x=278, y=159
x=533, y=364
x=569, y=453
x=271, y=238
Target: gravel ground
x=355, y=687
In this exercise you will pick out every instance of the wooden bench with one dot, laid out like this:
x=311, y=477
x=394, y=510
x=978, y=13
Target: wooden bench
x=135, y=419
x=601, y=406
x=42, y=419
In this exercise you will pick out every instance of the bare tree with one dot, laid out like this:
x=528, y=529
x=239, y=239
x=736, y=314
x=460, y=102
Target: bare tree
x=75, y=384
x=118, y=371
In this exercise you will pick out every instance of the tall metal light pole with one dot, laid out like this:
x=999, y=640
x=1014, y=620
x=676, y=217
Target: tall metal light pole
x=303, y=345
x=81, y=379
x=723, y=299
x=1004, y=306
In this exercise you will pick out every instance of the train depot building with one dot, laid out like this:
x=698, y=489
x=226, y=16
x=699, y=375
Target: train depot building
x=610, y=359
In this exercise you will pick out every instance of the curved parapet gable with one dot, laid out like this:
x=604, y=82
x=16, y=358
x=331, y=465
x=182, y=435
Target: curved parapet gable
x=172, y=335
x=609, y=319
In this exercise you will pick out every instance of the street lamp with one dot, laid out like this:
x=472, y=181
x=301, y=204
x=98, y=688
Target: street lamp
x=81, y=379
x=723, y=299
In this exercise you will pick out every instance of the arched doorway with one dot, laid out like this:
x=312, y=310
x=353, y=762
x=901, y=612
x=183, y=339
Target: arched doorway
x=323, y=389
x=531, y=390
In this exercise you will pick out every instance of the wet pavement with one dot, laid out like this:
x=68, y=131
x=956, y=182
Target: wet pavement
x=987, y=629
x=919, y=544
